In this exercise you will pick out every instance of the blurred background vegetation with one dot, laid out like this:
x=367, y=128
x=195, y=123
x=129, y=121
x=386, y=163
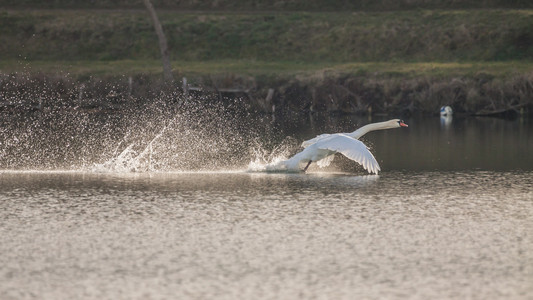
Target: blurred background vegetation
x=316, y=5
x=414, y=35
x=274, y=41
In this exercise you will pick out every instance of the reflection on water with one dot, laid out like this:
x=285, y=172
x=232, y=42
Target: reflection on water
x=234, y=235
x=461, y=144
x=446, y=121
x=209, y=139
x=158, y=205
x=433, y=143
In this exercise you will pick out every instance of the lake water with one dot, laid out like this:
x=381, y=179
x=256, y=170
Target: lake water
x=449, y=217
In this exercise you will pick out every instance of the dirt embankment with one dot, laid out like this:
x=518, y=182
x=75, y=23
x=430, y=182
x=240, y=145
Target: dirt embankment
x=481, y=94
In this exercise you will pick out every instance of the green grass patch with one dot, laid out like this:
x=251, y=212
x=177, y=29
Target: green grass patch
x=278, y=5
x=271, y=69
x=309, y=37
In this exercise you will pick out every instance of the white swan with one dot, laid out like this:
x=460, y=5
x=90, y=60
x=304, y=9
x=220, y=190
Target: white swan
x=446, y=111
x=322, y=148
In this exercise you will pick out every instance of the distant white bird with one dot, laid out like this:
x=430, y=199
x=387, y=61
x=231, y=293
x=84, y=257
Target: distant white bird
x=446, y=111
x=322, y=148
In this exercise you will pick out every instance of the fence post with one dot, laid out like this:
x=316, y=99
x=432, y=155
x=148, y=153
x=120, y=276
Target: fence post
x=185, y=87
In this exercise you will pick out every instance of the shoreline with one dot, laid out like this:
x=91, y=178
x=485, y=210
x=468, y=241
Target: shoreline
x=324, y=90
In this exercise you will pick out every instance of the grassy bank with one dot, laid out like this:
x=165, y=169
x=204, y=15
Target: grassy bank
x=361, y=88
x=281, y=5
x=81, y=68
x=406, y=36
x=354, y=62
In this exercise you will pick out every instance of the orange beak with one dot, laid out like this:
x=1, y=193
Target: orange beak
x=402, y=124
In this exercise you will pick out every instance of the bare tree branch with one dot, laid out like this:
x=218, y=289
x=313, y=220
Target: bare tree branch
x=167, y=69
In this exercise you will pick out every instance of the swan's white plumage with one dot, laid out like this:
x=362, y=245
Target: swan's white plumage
x=351, y=148
x=326, y=161
x=322, y=148
x=310, y=142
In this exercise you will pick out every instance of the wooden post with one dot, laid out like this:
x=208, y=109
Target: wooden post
x=185, y=87
x=80, y=95
x=268, y=101
x=130, y=86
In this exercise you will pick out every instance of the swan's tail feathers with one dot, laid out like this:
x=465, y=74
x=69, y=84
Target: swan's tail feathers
x=276, y=166
x=291, y=164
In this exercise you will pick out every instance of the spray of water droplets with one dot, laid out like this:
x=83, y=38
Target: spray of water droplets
x=161, y=134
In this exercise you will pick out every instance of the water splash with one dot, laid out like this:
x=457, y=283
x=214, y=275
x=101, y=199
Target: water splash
x=165, y=133
x=210, y=141
x=265, y=160
x=262, y=164
x=131, y=161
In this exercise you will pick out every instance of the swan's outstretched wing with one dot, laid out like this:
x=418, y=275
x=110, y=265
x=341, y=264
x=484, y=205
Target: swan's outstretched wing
x=351, y=148
x=310, y=142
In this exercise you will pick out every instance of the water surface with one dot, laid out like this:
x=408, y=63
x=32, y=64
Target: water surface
x=417, y=235
x=111, y=207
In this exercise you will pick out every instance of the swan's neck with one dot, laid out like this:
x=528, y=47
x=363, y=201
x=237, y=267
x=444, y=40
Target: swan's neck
x=370, y=127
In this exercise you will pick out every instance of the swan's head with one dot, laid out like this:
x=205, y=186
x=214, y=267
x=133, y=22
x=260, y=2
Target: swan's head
x=401, y=123
x=394, y=123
